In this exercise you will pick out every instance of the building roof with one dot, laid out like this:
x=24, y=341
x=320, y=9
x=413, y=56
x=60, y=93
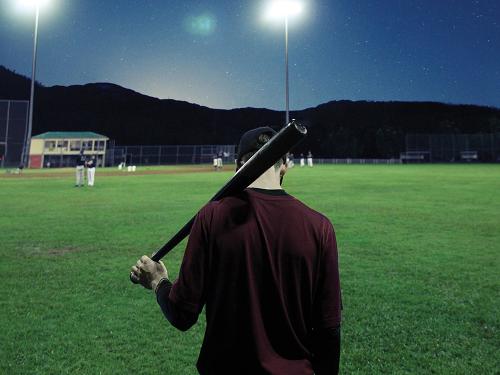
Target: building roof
x=69, y=135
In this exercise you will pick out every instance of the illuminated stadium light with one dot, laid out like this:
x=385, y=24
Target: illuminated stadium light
x=283, y=10
x=31, y=5
x=280, y=9
x=28, y=5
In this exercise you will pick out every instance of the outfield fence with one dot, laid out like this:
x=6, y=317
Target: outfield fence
x=446, y=148
x=169, y=154
x=203, y=154
x=355, y=161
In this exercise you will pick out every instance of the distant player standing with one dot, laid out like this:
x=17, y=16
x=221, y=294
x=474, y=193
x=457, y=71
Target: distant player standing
x=265, y=266
x=302, y=160
x=219, y=160
x=80, y=165
x=215, y=162
x=309, y=159
x=91, y=171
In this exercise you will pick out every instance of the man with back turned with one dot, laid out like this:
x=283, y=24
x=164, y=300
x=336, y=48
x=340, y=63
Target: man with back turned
x=266, y=267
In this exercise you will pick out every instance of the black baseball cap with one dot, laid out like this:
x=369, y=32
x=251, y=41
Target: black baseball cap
x=253, y=140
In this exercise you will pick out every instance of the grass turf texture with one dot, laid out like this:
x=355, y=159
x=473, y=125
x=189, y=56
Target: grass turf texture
x=419, y=257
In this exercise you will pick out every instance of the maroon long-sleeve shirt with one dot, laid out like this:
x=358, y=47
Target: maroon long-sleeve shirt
x=266, y=268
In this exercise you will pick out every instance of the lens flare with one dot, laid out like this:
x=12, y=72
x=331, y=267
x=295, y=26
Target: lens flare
x=203, y=24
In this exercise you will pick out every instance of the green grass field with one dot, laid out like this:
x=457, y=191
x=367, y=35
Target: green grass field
x=419, y=250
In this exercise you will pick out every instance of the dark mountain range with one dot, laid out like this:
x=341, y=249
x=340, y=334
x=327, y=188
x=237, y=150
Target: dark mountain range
x=336, y=129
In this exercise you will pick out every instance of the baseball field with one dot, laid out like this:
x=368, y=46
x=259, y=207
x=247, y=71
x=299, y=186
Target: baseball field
x=419, y=249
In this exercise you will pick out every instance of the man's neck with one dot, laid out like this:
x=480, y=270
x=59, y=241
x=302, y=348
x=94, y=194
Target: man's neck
x=269, y=180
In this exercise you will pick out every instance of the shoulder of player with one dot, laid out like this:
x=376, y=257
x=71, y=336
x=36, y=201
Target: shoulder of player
x=224, y=205
x=314, y=214
x=224, y=202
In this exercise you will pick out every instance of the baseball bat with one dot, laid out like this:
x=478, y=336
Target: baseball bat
x=261, y=161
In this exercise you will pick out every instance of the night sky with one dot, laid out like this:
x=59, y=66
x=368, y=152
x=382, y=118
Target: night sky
x=223, y=54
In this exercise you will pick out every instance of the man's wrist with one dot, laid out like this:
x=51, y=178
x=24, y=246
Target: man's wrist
x=156, y=283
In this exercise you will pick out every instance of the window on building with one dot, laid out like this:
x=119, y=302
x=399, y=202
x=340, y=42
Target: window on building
x=62, y=145
x=50, y=145
x=75, y=145
x=87, y=145
x=99, y=145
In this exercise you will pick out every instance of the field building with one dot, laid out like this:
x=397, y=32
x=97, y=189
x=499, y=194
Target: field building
x=61, y=149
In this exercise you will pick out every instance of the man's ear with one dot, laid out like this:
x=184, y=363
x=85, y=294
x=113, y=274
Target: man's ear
x=239, y=164
x=283, y=170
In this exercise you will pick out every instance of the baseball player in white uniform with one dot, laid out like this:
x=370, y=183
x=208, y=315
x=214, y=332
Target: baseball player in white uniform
x=91, y=171
x=309, y=159
x=80, y=166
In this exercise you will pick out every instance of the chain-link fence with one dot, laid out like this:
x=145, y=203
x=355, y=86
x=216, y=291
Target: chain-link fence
x=483, y=147
x=13, y=123
x=351, y=161
x=166, y=155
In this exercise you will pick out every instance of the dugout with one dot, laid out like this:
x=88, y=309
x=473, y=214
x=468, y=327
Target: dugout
x=61, y=149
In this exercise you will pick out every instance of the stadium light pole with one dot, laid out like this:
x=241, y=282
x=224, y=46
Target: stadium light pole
x=31, y=4
x=283, y=10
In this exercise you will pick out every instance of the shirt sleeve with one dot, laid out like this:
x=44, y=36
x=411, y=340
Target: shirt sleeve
x=188, y=291
x=327, y=309
x=326, y=351
x=180, y=319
